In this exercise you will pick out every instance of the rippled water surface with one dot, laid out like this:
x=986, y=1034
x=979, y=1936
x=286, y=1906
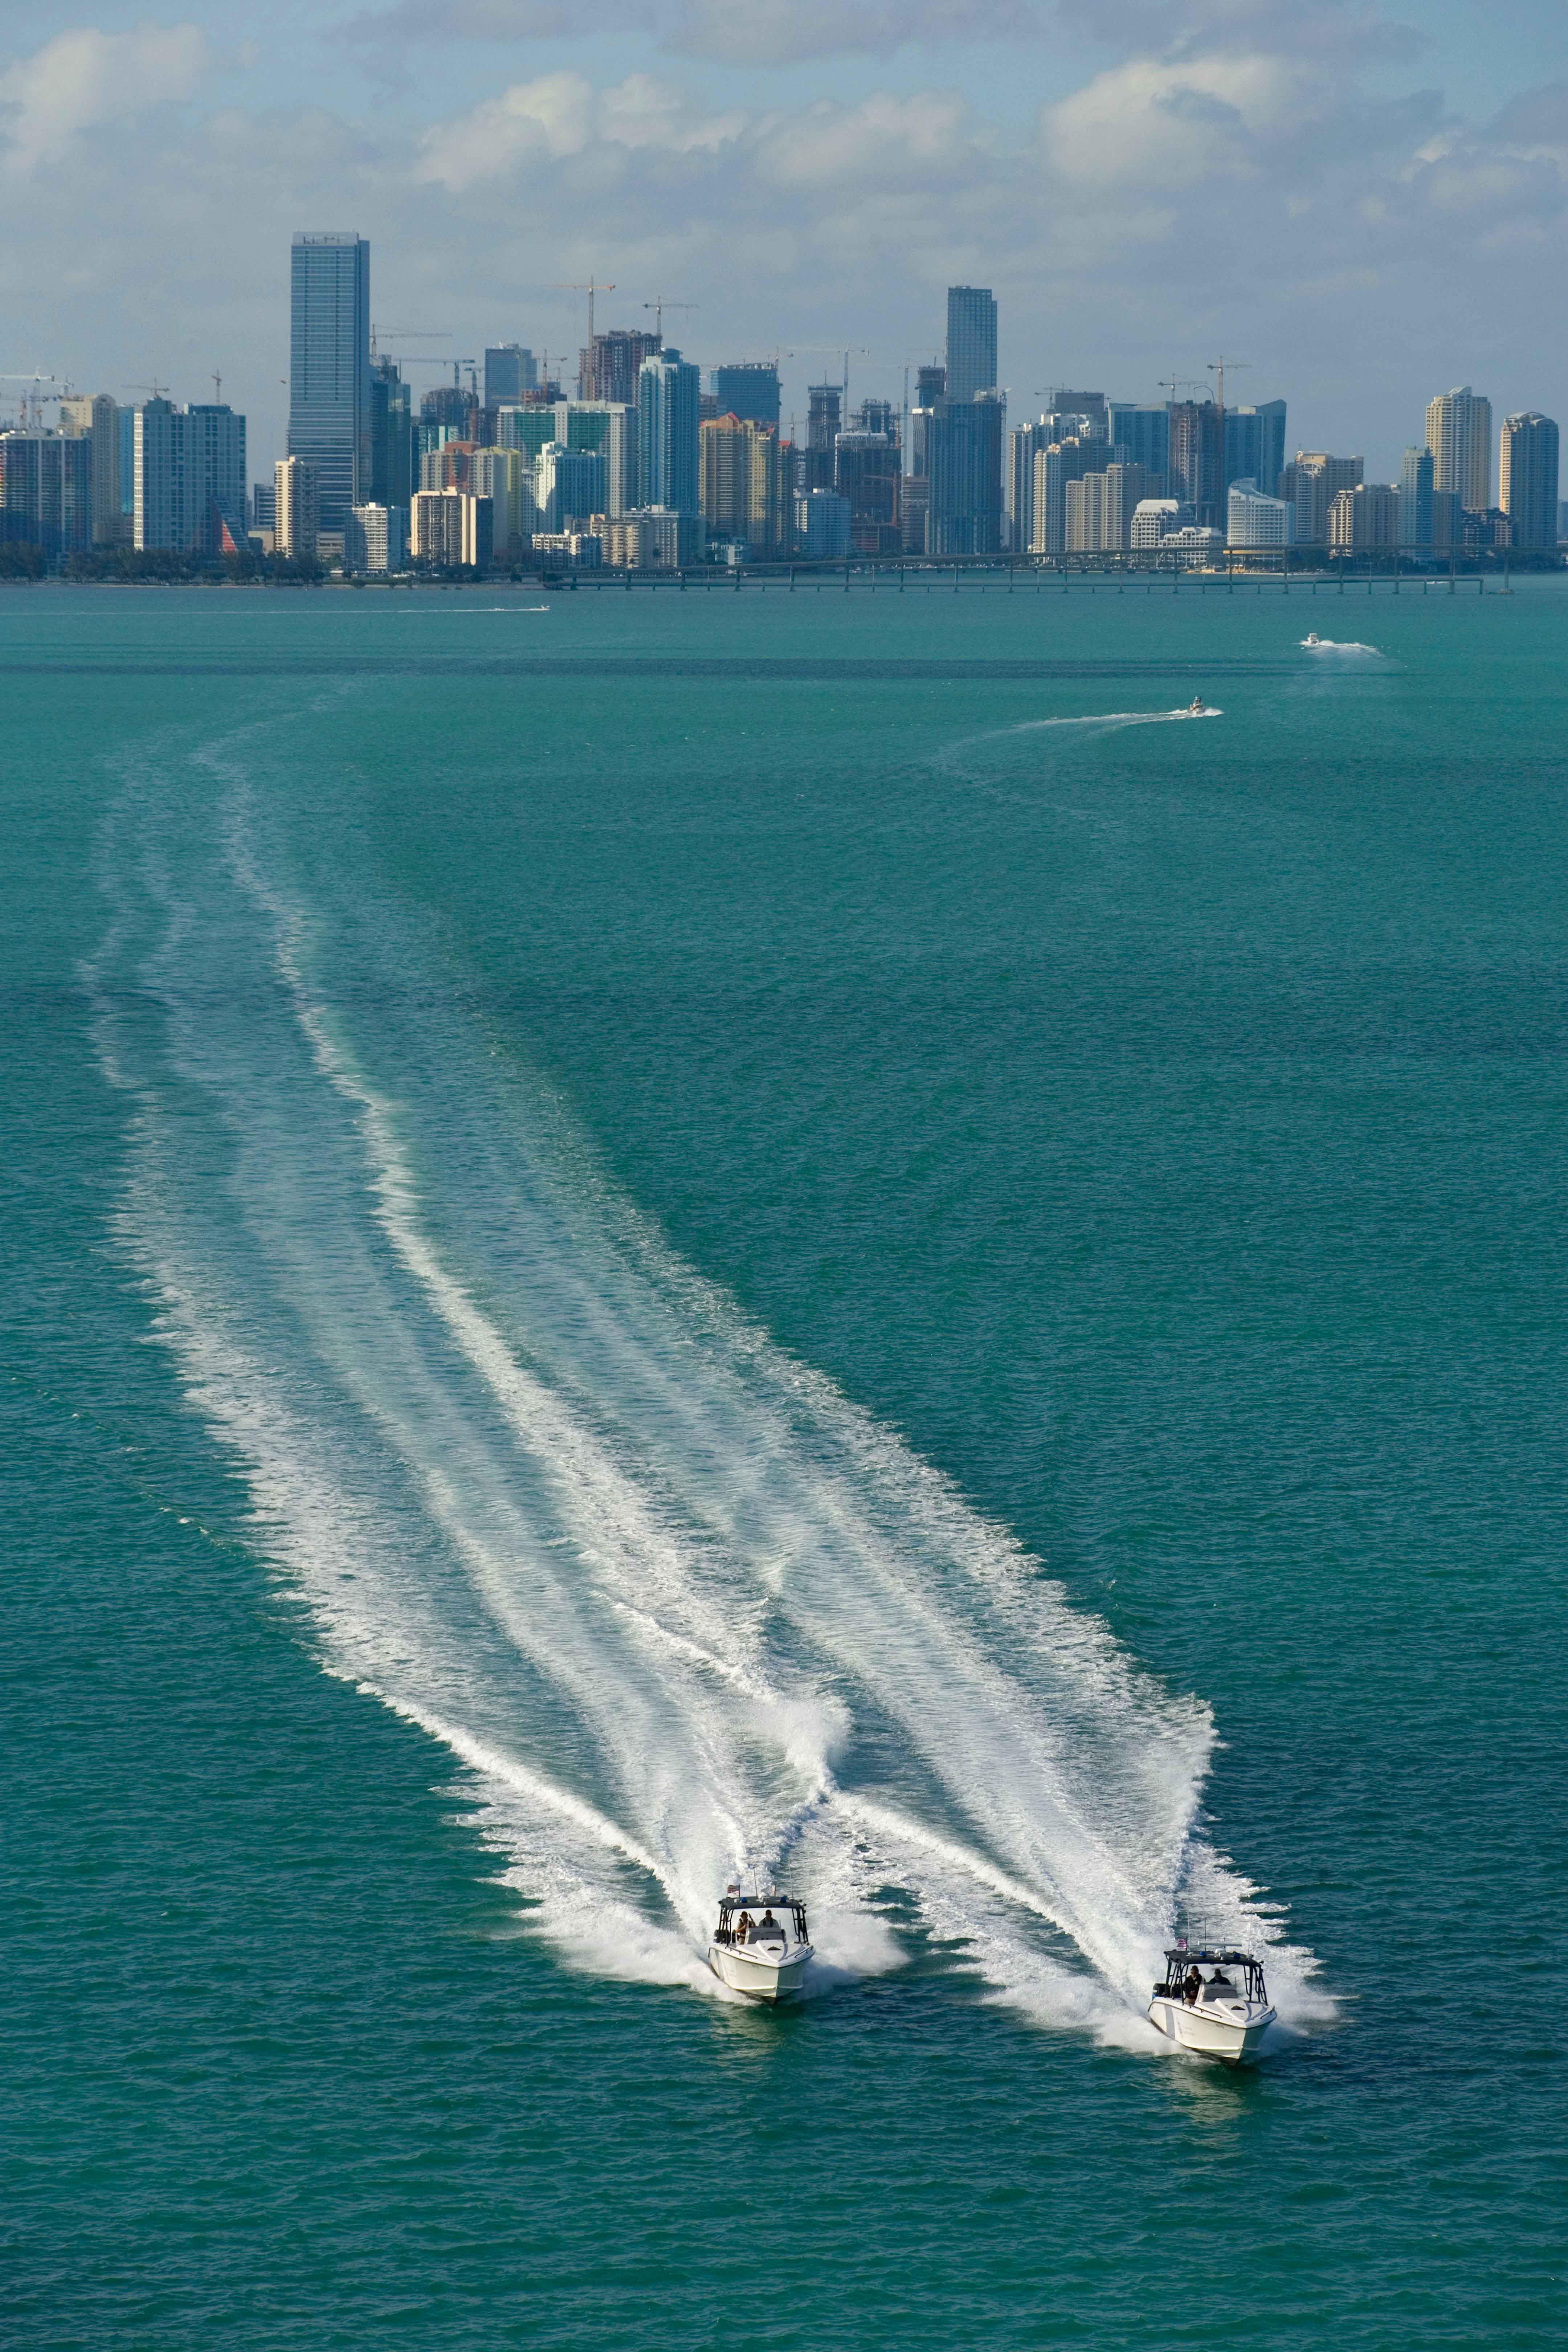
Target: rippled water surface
x=653, y=1236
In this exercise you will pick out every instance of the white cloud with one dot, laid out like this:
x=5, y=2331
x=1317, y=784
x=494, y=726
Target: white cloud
x=885, y=142
x=560, y=116
x=1152, y=124
x=83, y=80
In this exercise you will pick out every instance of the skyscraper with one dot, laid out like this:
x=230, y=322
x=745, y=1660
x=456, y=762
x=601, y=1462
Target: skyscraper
x=46, y=491
x=189, y=477
x=741, y=491
x=964, y=453
x=1145, y=434
x=1529, y=485
x=1459, y=436
x=510, y=373
x=1197, y=461
x=1416, y=500
x=296, y=512
x=749, y=390
x=823, y=423
x=616, y=358
x=971, y=342
x=1025, y=444
x=329, y=369
x=98, y=421
x=1255, y=446
x=391, y=436
x=669, y=416
x=866, y=465
x=1311, y=482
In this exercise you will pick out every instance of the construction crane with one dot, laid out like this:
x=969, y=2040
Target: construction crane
x=34, y=399
x=658, y=305
x=860, y=350
x=1218, y=367
x=593, y=286
x=410, y=335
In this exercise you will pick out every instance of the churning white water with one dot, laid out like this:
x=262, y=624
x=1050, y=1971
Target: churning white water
x=679, y=1607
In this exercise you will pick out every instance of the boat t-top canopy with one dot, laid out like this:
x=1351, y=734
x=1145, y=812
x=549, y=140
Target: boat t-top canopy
x=732, y=1902
x=1186, y=1961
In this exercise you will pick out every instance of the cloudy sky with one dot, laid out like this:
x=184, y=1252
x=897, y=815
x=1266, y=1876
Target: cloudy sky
x=1366, y=206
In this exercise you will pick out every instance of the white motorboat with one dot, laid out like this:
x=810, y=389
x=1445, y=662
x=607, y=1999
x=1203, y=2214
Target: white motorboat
x=1311, y=638
x=760, y=1947
x=1198, y=708
x=1213, y=2002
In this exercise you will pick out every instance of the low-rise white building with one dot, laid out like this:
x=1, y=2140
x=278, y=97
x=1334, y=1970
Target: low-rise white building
x=1152, y=517
x=1256, y=521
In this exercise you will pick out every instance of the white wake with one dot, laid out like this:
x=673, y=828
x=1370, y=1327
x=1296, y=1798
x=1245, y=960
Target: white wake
x=679, y=1606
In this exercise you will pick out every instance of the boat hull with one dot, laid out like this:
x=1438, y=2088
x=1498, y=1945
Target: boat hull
x=1209, y=2034
x=758, y=1978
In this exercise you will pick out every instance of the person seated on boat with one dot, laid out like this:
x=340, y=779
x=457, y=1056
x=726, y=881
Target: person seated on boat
x=1192, y=1986
x=1219, y=1986
x=769, y=1930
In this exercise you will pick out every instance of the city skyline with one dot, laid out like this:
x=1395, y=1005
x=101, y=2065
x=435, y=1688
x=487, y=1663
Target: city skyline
x=827, y=201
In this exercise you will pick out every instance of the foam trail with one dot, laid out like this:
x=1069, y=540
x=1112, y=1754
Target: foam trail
x=676, y=1604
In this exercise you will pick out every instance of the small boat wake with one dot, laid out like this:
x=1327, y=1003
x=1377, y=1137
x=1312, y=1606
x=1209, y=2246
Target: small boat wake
x=1313, y=643
x=683, y=1613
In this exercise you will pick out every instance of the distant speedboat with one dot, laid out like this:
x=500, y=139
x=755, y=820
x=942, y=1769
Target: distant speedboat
x=1311, y=638
x=760, y=1947
x=1213, y=2002
x=1196, y=709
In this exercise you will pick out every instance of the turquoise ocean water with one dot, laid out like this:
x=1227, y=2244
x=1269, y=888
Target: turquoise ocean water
x=644, y=1233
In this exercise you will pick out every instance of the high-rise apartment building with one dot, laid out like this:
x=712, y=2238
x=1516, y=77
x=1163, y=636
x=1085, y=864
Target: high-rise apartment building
x=742, y=496
x=971, y=342
x=1197, y=461
x=610, y=427
x=1311, y=482
x=669, y=416
x=568, y=486
x=188, y=477
x=749, y=389
x=616, y=362
x=1459, y=436
x=329, y=368
x=1416, y=500
x=511, y=374
x=1528, y=480
x=373, y=541
x=296, y=513
x=97, y=420
x=1025, y=444
x=449, y=530
x=1099, y=508
x=1055, y=467
x=46, y=491
x=1367, y=516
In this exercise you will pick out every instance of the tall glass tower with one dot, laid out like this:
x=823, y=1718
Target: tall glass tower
x=971, y=342
x=329, y=369
x=669, y=412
